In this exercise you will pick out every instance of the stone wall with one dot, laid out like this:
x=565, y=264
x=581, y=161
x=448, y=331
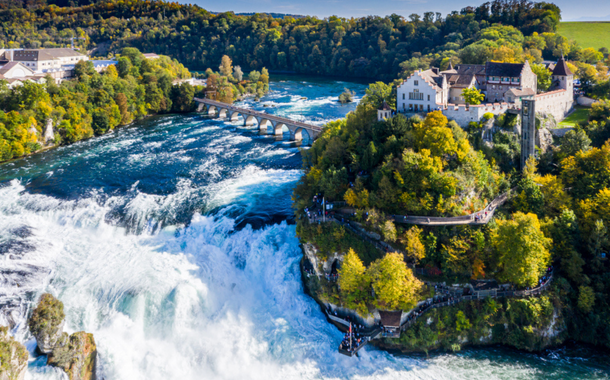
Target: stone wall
x=556, y=103
x=463, y=115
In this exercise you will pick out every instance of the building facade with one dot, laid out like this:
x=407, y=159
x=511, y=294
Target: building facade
x=423, y=91
x=43, y=60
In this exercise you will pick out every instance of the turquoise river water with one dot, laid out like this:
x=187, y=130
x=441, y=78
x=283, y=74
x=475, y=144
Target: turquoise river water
x=172, y=242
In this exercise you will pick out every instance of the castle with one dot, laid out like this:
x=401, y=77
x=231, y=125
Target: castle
x=504, y=85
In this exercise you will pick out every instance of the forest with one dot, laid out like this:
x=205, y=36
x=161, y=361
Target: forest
x=558, y=214
x=91, y=104
x=371, y=47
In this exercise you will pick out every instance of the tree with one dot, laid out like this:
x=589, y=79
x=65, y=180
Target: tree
x=472, y=96
x=354, y=283
x=586, y=298
x=254, y=76
x=83, y=68
x=121, y=101
x=238, y=74
x=388, y=229
x=543, y=76
x=377, y=93
x=574, y=141
x=521, y=248
x=394, y=284
x=134, y=55
x=530, y=197
x=226, y=67
x=587, y=172
x=124, y=66
x=415, y=249
x=346, y=96
x=100, y=122
x=182, y=98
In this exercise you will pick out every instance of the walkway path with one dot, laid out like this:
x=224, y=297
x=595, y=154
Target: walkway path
x=450, y=300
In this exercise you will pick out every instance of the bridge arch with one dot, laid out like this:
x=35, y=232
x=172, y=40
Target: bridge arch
x=263, y=124
x=301, y=134
x=212, y=110
x=235, y=116
x=250, y=120
x=223, y=113
x=280, y=128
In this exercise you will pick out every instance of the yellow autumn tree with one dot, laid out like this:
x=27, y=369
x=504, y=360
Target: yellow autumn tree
x=414, y=248
x=394, y=284
x=522, y=249
x=354, y=284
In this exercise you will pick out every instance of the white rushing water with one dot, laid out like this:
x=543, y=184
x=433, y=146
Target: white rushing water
x=135, y=233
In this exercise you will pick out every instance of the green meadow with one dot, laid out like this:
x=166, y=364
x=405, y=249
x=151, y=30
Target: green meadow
x=588, y=34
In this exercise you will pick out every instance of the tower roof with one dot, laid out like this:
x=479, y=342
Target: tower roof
x=561, y=68
x=385, y=107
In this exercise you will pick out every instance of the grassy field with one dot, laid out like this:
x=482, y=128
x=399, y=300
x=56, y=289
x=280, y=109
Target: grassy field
x=581, y=114
x=588, y=34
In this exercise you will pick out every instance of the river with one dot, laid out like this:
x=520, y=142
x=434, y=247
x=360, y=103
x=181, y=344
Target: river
x=172, y=242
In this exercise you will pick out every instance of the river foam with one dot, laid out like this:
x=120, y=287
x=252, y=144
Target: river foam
x=170, y=241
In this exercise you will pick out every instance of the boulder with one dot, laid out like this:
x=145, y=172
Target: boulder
x=76, y=355
x=47, y=322
x=13, y=357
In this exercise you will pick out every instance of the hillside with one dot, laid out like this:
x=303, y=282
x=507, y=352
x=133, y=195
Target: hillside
x=588, y=34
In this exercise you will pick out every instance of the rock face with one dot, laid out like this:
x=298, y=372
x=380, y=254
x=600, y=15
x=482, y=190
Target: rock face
x=76, y=355
x=544, y=139
x=49, y=135
x=47, y=322
x=13, y=357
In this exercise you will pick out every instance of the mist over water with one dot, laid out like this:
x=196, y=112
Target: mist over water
x=173, y=242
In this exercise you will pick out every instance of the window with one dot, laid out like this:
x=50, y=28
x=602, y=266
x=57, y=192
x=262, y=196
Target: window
x=403, y=96
x=416, y=95
x=416, y=83
x=428, y=97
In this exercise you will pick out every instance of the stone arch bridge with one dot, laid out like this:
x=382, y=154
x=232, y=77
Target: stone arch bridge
x=297, y=129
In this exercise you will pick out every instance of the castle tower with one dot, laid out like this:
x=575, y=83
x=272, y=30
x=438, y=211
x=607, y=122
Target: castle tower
x=563, y=78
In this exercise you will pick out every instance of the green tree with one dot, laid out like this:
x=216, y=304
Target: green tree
x=124, y=66
x=574, y=141
x=377, y=93
x=183, y=98
x=472, y=96
x=521, y=249
x=586, y=298
x=394, y=284
x=100, y=121
x=543, y=76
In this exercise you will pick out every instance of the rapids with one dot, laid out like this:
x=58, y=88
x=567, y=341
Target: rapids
x=172, y=242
